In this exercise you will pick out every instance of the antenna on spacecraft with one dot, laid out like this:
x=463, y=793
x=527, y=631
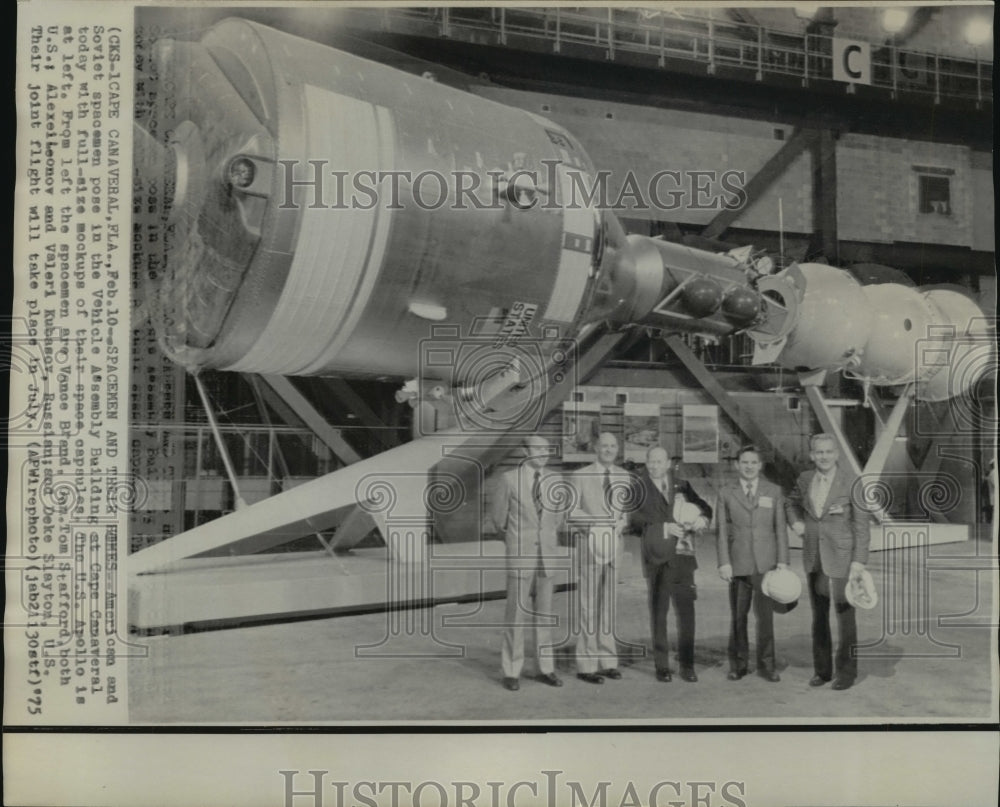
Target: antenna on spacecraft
x=781, y=232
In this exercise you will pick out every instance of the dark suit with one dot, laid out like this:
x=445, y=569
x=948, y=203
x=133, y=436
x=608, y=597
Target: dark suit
x=752, y=538
x=834, y=538
x=669, y=573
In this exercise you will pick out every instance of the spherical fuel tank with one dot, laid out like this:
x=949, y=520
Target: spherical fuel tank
x=330, y=215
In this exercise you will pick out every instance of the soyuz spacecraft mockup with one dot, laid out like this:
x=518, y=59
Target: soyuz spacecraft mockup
x=255, y=140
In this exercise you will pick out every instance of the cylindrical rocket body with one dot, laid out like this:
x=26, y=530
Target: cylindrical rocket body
x=690, y=289
x=363, y=241
x=332, y=215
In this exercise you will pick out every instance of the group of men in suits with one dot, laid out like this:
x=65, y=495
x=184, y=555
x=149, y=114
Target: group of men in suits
x=751, y=539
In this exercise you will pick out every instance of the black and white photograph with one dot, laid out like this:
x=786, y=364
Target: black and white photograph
x=485, y=366
x=328, y=200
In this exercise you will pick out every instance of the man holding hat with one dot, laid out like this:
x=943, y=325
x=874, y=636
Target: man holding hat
x=835, y=539
x=752, y=539
x=670, y=515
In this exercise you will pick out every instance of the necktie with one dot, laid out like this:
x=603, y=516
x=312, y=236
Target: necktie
x=748, y=491
x=819, y=493
x=536, y=492
x=607, y=490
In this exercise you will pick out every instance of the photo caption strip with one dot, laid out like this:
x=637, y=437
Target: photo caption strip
x=69, y=493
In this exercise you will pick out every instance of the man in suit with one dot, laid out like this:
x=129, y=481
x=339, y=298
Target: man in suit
x=752, y=539
x=668, y=560
x=525, y=517
x=602, y=489
x=835, y=538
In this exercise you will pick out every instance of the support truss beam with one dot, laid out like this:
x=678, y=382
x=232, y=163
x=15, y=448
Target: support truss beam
x=347, y=396
x=825, y=238
x=742, y=418
x=309, y=415
x=890, y=429
x=762, y=180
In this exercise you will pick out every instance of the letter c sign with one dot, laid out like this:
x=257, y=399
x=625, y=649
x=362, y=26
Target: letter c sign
x=852, y=61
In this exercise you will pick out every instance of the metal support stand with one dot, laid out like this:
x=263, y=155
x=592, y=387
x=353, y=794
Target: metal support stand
x=255, y=384
x=890, y=428
x=309, y=415
x=230, y=471
x=729, y=405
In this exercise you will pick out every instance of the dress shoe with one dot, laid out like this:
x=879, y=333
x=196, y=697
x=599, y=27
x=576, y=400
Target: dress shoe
x=842, y=683
x=590, y=678
x=770, y=675
x=818, y=681
x=688, y=674
x=614, y=673
x=736, y=675
x=664, y=675
x=512, y=684
x=551, y=679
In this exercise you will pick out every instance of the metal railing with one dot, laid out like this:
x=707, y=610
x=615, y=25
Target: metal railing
x=718, y=44
x=254, y=450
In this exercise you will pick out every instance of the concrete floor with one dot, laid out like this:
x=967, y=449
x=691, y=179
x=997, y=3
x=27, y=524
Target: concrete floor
x=931, y=658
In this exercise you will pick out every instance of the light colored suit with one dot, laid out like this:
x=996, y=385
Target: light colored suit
x=752, y=537
x=834, y=537
x=597, y=524
x=530, y=531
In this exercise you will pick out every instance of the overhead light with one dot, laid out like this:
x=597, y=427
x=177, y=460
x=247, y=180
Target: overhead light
x=806, y=12
x=894, y=19
x=978, y=31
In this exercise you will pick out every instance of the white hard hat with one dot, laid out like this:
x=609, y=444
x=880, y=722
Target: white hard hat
x=860, y=591
x=784, y=587
x=686, y=513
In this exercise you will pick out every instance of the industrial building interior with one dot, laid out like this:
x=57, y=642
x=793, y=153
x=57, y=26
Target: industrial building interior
x=891, y=179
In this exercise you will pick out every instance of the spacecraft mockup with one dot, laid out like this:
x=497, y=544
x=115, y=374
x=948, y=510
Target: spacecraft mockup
x=329, y=214
x=303, y=211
